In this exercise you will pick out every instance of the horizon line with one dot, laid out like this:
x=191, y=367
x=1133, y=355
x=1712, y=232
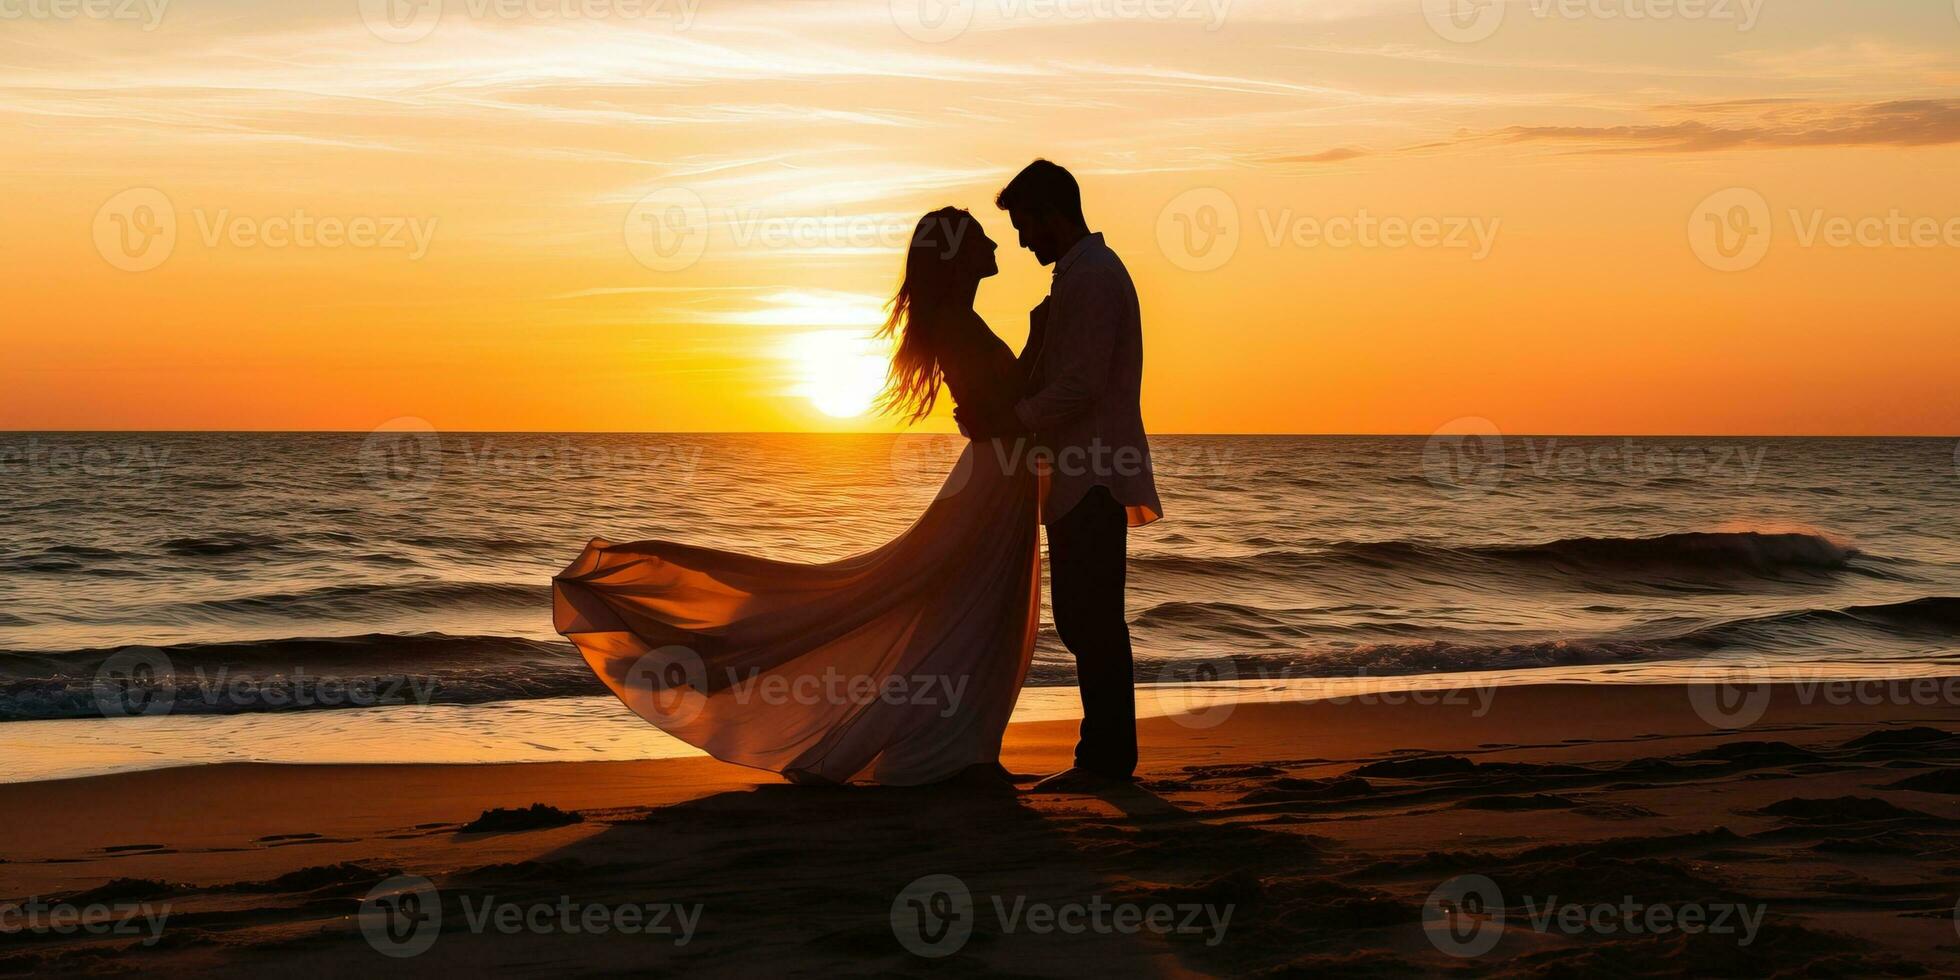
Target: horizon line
x=877, y=432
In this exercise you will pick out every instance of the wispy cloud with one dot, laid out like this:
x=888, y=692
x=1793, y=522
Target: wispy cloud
x=1917, y=122
x=1335, y=155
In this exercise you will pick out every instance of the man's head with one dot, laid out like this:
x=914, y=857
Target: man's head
x=1045, y=205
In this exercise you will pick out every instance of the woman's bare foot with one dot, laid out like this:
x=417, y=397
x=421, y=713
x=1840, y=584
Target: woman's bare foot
x=802, y=777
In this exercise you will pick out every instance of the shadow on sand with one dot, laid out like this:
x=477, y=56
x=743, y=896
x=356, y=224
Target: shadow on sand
x=810, y=879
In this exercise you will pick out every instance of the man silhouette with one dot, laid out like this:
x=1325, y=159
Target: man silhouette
x=1085, y=370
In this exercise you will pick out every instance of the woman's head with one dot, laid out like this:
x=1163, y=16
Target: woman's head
x=948, y=256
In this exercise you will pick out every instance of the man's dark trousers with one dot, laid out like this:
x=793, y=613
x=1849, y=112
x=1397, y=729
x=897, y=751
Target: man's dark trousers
x=1087, y=553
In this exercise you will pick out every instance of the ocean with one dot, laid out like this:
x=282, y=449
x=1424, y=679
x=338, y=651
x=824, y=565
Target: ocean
x=407, y=571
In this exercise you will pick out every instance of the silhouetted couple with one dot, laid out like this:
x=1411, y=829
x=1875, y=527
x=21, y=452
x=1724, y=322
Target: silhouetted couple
x=901, y=665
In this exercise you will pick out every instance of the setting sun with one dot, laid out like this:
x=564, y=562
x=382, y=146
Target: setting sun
x=842, y=371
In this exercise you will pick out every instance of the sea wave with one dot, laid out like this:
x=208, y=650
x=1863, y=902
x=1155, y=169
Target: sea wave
x=430, y=668
x=1934, y=617
x=219, y=545
x=1753, y=551
x=309, y=674
x=365, y=599
x=293, y=674
x=1867, y=627
x=1228, y=618
x=1389, y=659
x=1667, y=561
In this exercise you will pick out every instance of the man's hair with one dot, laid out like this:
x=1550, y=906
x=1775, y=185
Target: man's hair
x=1042, y=188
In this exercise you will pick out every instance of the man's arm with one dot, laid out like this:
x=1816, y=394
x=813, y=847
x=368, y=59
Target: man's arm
x=1080, y=348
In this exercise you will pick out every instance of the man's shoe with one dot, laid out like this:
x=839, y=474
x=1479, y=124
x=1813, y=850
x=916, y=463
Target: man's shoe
x=1079, y=780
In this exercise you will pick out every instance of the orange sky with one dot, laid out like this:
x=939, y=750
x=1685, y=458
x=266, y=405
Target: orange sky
x=1225, y=149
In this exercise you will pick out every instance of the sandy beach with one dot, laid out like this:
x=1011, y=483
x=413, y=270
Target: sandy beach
x=1568, y=828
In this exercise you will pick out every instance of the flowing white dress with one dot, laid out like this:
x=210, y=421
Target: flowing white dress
x=899, y=666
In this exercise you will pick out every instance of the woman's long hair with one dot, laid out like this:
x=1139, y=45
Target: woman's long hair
x=921, y=312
